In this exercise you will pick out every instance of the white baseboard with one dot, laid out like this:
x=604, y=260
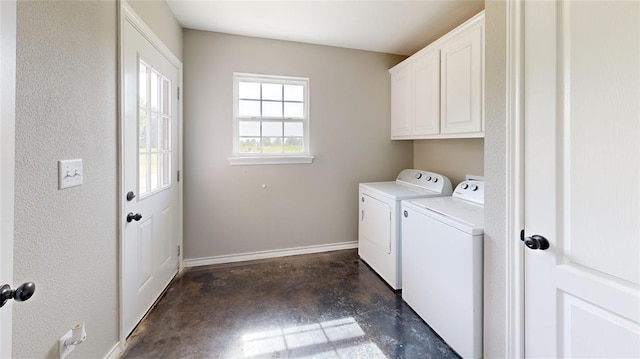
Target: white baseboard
x=230, y=258
x=114, y=352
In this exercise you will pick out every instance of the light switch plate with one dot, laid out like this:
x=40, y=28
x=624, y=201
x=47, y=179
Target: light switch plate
x=69, y=173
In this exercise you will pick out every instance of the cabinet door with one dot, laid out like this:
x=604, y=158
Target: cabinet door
x=426, y=101
x=401, y=111
x=461, y=71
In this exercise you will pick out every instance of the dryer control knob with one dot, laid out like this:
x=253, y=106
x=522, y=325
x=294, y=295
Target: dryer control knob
x=428, y=178
x=435, y=179
x=464, y=186
x=418, y=175
x=474, y=187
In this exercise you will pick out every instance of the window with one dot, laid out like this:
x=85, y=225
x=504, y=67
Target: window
x=154, y=130
x=271, y=119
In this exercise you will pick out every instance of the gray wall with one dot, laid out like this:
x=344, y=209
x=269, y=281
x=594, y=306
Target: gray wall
x=65, y=240
x=495, y=176
x=453, y=158
x=158, y=16
x=226, y=210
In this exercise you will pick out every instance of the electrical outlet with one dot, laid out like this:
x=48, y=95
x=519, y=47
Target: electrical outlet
x=70, y=173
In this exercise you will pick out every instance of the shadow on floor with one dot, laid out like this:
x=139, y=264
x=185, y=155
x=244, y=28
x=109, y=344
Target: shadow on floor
x=328, y=305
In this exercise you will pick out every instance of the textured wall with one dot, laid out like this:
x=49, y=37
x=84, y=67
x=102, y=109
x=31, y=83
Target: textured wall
x=157, y=15
x=65, y=240
x=495, y=176
x=453, y=158
x=226, y=210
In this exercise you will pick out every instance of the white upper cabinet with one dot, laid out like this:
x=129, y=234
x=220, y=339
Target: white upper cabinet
x=401, y=102
x=461, y=86
x=438, y=92
x=426, y=93
x=415, y=96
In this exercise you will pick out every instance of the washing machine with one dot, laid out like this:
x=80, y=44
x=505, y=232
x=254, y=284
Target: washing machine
x=379, y=242
x=442, y=264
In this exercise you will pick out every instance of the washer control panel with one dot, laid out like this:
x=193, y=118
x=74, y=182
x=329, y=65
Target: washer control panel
x=425, y=179
x=470, y=190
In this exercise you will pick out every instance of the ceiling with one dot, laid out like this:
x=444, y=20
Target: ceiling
x=391, y=26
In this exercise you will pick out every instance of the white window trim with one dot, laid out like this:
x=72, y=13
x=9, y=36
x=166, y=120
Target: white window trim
x=269, y=159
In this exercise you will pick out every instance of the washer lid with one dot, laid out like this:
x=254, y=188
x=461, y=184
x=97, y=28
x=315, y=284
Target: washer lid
x=396, y=191
x=461, y=214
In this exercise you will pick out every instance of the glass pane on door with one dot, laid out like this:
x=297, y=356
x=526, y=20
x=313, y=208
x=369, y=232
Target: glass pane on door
x=154, y=130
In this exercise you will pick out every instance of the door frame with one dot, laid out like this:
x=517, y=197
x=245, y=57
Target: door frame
x=514, y=161
x=127, y=14
x=8, y=16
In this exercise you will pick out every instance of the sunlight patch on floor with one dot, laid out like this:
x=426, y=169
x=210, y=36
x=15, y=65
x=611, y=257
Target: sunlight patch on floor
x=317, y=340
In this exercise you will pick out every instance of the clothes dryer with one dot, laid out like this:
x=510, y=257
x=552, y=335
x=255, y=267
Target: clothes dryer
x=379, y=242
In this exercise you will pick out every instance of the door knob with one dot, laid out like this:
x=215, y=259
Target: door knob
x=534, y=242
x=133, y=217
x=20, y=294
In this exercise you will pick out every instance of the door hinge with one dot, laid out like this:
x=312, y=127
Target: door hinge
x=178, y=176
x=178, y=251
x=178, y=92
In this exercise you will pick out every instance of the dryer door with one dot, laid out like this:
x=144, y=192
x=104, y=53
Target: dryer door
x=375, y=222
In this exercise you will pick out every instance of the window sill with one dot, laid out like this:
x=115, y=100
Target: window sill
x=275, y=160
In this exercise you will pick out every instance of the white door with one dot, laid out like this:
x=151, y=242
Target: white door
x=151, y=222
x=582, y=178
x=7, y=116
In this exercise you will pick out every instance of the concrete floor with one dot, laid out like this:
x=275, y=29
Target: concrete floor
x=328, y=305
